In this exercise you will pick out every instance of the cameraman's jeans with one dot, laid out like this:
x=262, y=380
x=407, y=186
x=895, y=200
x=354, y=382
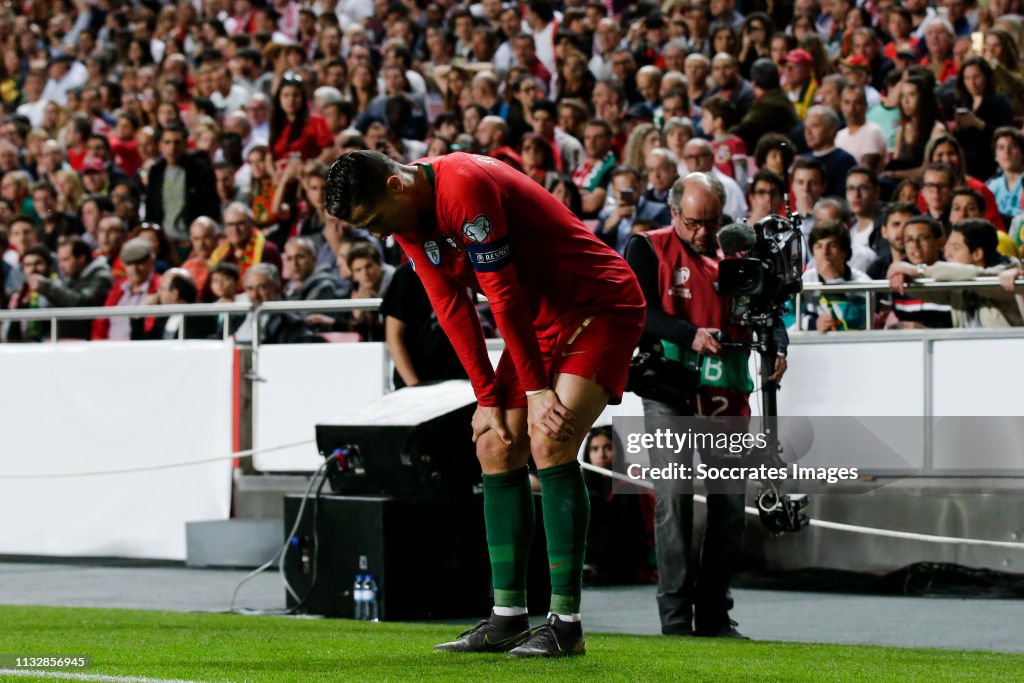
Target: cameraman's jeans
x=691, y=586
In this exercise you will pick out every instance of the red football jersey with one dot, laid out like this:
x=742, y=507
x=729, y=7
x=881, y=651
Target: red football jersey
x=503, y=235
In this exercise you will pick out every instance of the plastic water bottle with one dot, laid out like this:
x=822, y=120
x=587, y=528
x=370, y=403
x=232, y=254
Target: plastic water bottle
x=370, y=591
x=359, y=598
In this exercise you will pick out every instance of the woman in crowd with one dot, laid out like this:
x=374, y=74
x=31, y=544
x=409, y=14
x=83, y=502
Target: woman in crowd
x=620, y=539
x=947, y=150
x=362, y=86
x=779, y=47
x=1003, y=56
x=69, y=190
x=755, y=42
x=822, y=63
x=919, y=122
x=642, y=140
x=723, y=39
x=538, y=159
x=294, y=130
x=981, y=110
x=439, y=146
x=565, y=191
x=575, y=78
x=938, y=39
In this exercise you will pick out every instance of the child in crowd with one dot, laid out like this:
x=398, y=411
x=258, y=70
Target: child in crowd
x=730, y=151
x=224, y=283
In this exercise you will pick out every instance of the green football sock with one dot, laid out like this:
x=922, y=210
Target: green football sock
x=508, y=514
x=566, y=508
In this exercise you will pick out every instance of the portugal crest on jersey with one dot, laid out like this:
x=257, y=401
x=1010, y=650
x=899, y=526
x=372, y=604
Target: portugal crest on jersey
x=433, y=252
x=477, y=230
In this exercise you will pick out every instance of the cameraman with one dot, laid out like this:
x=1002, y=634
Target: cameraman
x=677, y=268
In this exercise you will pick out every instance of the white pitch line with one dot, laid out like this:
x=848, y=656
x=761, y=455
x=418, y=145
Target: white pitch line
x=69, y=676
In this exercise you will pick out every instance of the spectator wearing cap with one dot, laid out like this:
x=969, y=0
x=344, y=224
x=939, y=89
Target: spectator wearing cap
x=857, y=70
x=181, y=186
x=860, y=137
x=140, y=281
x=801, y=86
x=95, y=179
x=771, y=112
x=820, y=130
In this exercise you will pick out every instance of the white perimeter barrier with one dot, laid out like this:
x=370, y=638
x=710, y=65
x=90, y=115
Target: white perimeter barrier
x=75, y=407
x=300, y=385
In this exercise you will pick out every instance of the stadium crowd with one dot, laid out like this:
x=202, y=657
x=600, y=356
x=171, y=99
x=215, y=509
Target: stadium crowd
x=158, y=153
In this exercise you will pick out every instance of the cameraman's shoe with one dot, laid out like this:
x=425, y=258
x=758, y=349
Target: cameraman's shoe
x=497, y=634
x=727, y=630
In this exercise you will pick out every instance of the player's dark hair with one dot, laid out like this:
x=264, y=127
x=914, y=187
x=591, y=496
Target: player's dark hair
x=357, y=178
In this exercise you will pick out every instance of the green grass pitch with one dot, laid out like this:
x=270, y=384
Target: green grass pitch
x=226, y=647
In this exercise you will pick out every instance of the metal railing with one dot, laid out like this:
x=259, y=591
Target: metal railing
x=869, y=289
x=54, y=315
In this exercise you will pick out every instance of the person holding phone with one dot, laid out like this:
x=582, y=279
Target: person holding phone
x=615, y=224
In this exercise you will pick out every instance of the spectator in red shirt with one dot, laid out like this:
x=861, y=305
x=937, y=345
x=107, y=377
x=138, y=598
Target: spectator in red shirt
x=294, y=129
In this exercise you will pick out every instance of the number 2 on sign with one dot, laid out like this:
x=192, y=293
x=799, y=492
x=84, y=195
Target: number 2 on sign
x=719, y=404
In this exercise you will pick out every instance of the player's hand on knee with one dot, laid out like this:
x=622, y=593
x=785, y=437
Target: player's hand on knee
x=491, y=418
x=553, y=419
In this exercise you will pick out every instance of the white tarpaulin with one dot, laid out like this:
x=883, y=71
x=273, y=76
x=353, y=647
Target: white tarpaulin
x=92, y=407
